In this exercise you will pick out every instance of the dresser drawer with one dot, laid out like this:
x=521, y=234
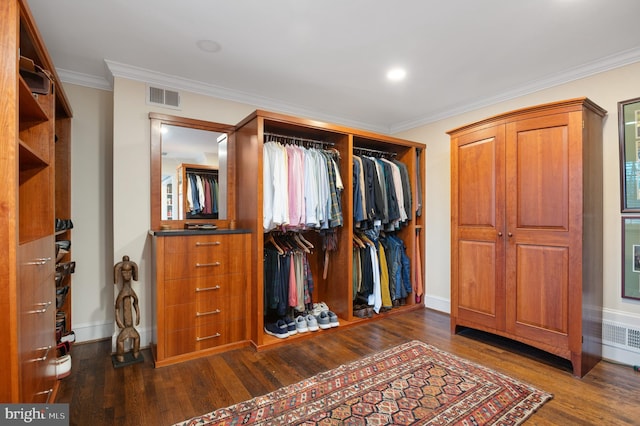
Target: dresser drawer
x=180, y=342
x=209, y=309
x=184, y=290
x=205, y=310
x=211, y=243
x=219, y=333
x=204, y=337
x=179, y=317
x=37, y=263
x=202, y=264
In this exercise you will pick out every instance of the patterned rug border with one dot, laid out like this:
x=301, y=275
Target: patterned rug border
x=262, y=407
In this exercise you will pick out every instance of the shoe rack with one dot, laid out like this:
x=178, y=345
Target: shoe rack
x=33, y=117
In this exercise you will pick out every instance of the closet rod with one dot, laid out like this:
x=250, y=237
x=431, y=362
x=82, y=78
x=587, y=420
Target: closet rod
x=297, y=139
x=203, y=172
x=373, y=152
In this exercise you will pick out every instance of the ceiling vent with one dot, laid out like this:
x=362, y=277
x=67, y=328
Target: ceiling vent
x=164, y=97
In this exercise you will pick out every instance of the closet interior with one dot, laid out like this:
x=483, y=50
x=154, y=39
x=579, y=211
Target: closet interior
x=198, y=196
x=318, y=247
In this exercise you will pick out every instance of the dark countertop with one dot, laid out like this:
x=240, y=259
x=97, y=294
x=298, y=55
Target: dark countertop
x=182, y=232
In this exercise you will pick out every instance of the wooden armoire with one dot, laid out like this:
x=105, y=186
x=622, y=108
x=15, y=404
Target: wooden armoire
x=34, y=169
x=526, y=228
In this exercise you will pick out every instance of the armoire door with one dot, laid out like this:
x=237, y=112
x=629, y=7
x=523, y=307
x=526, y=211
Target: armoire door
x=544, y=206
x=477, y=264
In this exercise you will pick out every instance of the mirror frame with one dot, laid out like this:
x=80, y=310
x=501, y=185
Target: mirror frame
x=156, y=121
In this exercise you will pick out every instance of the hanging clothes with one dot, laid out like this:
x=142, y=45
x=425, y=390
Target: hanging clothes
x=202, y=194
x=382, y=270
x=417, y=276
x=288, y=282
x=382, y=192
x=302, y=188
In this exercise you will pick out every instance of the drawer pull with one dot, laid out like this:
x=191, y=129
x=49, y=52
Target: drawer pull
x=201, y=314
x=46, y=353
x=43, y=310
x=217, y=287
x=208, y=243
x=39, y=261
x=200, y=265
x=213, y=336
x=47, y=392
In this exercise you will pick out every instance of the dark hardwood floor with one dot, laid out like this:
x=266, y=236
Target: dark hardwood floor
x=140, y=394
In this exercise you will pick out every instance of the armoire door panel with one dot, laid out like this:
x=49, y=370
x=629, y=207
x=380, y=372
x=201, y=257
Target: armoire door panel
x=538, y=174
x=477, y=277
x=541, y=291
x=480, y=295
x=477, y=183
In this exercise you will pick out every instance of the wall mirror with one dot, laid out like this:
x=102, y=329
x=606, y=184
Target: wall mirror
x=191, y=172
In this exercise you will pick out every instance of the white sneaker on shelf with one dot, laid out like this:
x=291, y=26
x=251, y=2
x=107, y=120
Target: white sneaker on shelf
x=312, y=323
x=301, y=324
x=333, y=319
x=318, y=308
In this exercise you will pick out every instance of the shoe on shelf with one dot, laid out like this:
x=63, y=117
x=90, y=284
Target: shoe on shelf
x=63, y=348
x=63, y=224
x=291, y=326
x=277, y=329
x=319, y=307
x=63, y=366
x=301, y=324
x=70, y=337
x=312, y=323
x=333, y=319
x=362, y=312
x=64, y=244
x=323, y=320
x=61, y=295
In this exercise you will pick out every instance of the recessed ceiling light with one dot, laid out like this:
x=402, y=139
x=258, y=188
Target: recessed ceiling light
x=209, y=46
x=396, y=74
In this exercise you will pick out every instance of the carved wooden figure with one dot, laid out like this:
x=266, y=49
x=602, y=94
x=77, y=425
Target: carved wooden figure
x=128, y=270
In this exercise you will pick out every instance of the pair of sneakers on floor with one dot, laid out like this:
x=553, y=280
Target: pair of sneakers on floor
x=321, y=318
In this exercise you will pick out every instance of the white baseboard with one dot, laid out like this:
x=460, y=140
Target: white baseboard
x=88, y=332
x=438, y=304
x=103, y=331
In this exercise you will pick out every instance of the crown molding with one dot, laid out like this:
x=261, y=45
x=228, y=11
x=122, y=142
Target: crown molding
x=87, y=80
x=131, y=72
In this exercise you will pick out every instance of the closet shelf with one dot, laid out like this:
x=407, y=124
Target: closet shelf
x=31, y=112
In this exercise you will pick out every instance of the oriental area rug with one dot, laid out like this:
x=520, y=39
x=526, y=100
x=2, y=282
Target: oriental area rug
x=410, y=384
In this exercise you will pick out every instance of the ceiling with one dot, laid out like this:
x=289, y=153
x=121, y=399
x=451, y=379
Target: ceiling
x=328, y=59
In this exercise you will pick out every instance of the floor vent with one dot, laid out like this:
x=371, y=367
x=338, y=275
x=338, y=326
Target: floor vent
x=621, y=335
x=165, y=97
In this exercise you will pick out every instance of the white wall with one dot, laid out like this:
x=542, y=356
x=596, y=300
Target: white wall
x=92, y=310
x=130, y=182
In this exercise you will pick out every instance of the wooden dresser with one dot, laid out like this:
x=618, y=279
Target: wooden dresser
x=200, y=293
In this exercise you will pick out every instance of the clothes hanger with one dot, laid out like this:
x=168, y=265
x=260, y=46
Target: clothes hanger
x=270, y=239
x=304, y=241
x=301, y=245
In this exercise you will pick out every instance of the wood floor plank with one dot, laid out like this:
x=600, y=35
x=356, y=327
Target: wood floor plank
x=140, y=394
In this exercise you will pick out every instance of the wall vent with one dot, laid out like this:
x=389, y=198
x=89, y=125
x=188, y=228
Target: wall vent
x=164, y=97
x=621, y=335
